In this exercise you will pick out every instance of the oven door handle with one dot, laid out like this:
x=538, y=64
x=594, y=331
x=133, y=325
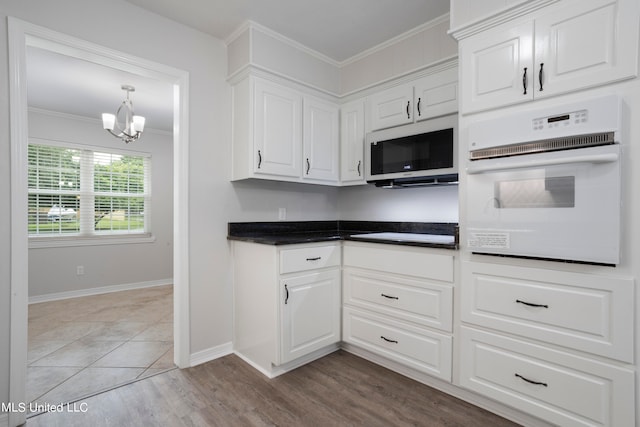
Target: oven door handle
x=592, y=158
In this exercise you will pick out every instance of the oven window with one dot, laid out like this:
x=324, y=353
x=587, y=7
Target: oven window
x=552, y=192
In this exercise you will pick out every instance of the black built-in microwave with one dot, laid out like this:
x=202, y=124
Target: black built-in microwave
x=416, y=154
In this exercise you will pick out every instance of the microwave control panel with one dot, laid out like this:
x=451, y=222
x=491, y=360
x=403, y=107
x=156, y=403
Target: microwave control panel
x=568, y=120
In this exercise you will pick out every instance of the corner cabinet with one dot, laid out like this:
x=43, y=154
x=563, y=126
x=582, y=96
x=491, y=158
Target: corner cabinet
x=281, y=133
x=569, y=46
x=286, y=304
x=352, y=133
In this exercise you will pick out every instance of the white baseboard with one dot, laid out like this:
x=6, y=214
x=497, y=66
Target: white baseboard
x=211, y=354
x=97, y=291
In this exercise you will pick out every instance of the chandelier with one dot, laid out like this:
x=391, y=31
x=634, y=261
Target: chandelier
x=133, y=125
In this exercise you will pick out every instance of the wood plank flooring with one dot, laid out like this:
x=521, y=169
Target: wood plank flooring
x=338, y=390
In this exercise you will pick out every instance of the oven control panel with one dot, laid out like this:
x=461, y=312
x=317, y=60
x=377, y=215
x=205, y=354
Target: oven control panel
x=568, y=120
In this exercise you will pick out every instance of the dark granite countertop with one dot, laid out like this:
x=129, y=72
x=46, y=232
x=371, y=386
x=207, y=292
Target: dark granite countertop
x=296, y=232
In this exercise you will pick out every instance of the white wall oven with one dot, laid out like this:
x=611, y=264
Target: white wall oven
x=546, y=184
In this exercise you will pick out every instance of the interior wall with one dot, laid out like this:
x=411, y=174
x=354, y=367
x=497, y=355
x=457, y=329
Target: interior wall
x=53, y=270
x=421, y=204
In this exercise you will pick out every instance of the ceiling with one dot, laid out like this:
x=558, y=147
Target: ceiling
x=338, y=29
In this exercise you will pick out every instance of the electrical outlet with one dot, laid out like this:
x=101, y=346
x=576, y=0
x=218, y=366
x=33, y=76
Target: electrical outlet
x=282, y=214
x=80, y=270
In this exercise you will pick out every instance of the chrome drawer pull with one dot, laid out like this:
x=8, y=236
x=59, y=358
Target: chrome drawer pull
x=388, y=296
x=314, y=259
x=531, y=381
x=286, y=289
x=388, y=340
x=530, y=304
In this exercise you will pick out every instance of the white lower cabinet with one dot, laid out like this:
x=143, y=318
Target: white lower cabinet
x=398, y=304
x=559, y=387
x=286, y=303
x=555, y=344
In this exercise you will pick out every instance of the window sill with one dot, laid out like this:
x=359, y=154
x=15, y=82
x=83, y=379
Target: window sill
x=65, y=241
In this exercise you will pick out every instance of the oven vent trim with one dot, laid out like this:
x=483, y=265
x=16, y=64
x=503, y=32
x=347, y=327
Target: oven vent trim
x=545, y=145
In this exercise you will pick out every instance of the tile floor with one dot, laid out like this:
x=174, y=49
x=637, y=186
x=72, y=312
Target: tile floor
x=81, y=346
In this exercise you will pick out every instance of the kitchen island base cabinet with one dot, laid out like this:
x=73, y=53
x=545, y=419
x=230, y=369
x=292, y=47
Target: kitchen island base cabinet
x=286, y=304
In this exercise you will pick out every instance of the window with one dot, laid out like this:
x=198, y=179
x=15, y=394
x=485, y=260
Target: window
x=77, y=191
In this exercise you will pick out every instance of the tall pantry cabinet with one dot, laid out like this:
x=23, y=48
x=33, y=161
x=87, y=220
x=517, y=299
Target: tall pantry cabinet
x=550, y=339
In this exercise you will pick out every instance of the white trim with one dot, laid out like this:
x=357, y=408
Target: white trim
x=397, y=39
x=210, y=354
x=42, y=242
x=99, y=291
x=21, y=34
x=504, y=15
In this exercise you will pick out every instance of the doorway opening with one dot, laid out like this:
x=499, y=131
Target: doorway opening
x=22, y=36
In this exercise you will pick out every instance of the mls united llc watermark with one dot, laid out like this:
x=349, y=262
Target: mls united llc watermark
x=34, y=407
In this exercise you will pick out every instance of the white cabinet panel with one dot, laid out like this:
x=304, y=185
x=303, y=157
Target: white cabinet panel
x=497, y=68
x=586, y=46
x=561, y=388
x=436, y=95
x=278, y=130
x=405, y=261
x=309, y=258
x=586, y=312
x=416, y=301
x=310, y=313
x=321, y=139
x=421, y=349
x=392, y=107
x=352, y=132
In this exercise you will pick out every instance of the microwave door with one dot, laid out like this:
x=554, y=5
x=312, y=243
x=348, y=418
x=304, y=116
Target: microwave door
x=547, y=205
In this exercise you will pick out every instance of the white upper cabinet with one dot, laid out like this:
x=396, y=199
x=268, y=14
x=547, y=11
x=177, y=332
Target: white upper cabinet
x=352, y=131
x=392, y=107
x=321, y=140
x=278, y=130
x=281, y=133
x=570, y=47
x=431, y=96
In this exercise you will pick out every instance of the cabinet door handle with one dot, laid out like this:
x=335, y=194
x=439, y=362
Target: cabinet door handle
x=408, y=105
x=531, y=381
x=314, y=259
x=259, y=159
x=286, y=298
x=388, y=296
x=540, y=76
x=524, y=81
x=359, y=163
x=308, y=166
x=418, y=107
x=530, y=304
x=388, y=340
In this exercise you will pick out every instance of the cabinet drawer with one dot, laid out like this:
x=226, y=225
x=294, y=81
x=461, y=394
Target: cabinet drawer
x=417, y=301
x=561, y=388
x=419, y=348
x=398, y=260
x=309, y=258
x=586, y=312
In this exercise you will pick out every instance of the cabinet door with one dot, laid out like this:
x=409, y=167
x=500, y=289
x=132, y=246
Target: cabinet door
x=497, y=68
x=321, y=140
x=436, y=95
x=278, y=130
x=392, y=107
x=352, y=142
x=593, y=42
x=310, y=313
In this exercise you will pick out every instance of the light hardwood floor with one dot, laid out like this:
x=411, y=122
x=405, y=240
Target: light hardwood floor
x=338, y=390
x=80, y=346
